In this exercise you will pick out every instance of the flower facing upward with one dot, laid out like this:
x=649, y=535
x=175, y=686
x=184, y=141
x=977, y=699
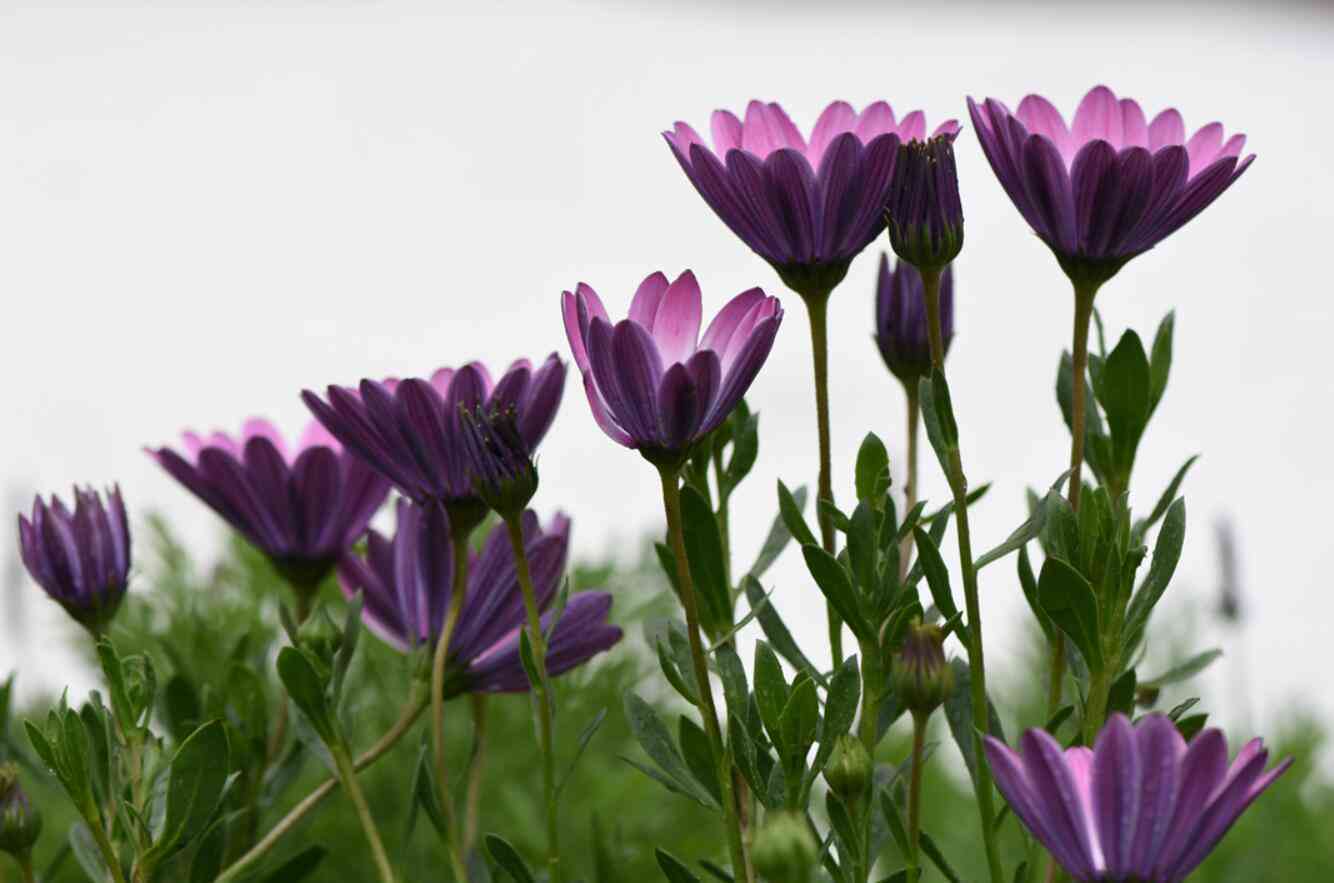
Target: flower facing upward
x=900, y=320
x=81, y=558
x=806, y=205
x=411, y=430
x=653, y=383
x=406, y=583
x=924, y=215
x=1111, y=185
x=300, y=506
x=1141, y=805
x=503, y=472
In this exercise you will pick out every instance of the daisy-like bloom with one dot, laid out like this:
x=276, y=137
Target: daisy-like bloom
x=301, y=506
x=900, y=320
x=1111, y=185
x=653, y=383
x=808, y=206
x=411, y=431
x=81, y=559
x=1142, y=805
x=406, y=585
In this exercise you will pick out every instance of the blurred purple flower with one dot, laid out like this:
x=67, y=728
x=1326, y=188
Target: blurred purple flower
x=900, y=320
x=1141, y=805
x=653, y=383
x=806, y=206
x=924, y=215
x=81, y=559
x=1110, y=186
x=406, y=585
x=300, y=507
x=411, y=430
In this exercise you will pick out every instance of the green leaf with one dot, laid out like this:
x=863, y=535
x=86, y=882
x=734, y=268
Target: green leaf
x=836, y=585
x=776, y=631
x=698, y=756
x=790, y=512
x=704, y=551
x=771, y=690
x=1160, y=363
x=1143, y=526
x=1185, y=670
x=674, y=870
x=299, y=866
x=585, y=737
x=840, y=710
x=196, y=780
x=938, y=417
x=745, y=449
x=800, y=719
x=1029, y=584
x=1124, y=394
x=680, y=681
x=1068, y=599
x=959, y=715
x=890, y=809
x=508, y=858
x=306, y=689
x=736, y=691
x=937, y=857
x=1189, y=727
x=115, y=678
x=1166, y=554
x=937, y=578
x=87, y=853
x=872, y=474
x=778, y=538
x=652, y=735
x=351, y=632
x=1027, y=531
x=1121, y=697
x=726, y=637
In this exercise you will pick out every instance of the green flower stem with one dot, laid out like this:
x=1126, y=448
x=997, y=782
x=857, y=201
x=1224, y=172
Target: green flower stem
x=476, y=767
x=976, y=666
x=460, y=587
x=671, y=501
x=347, y=774
x=919, y=722
x=25, y=867
x=104, y=845
x=817, y=310
x=1056, y=675
x=874, y=687
x=541, y=695
x=724, y=515
x=910, y=486
x=1084, y=295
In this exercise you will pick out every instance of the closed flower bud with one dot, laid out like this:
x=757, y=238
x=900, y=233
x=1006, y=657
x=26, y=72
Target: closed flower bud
x=499, y=463
x=921, y=676
x=924, y=215
x=784, y=851
x=320, y=636
x=20, y=821
x=849, y=769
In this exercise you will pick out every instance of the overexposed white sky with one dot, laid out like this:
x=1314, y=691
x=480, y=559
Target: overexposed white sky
x=205, y=208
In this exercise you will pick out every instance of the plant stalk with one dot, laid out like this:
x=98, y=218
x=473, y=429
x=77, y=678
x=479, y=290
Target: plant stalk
x=347, y=774
x=438, y=665
x=976, y=664
x=919, y=722
x=1084, y=295
x=817, y=310
x=472, y=807
x=910, y=486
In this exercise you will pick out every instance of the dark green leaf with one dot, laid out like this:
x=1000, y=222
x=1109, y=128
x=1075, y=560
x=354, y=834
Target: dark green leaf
x=776, y=631
x=306, y=689
x=674, y=870
x=778, y=538
x=585, y=736
x=704, y=550
x=771, y=690
x=299, y=866
x=698, y=755
x=1069, y=600
x=1027, y=531
x=508, y=858
x=1185, y=670
x=1160, y=508
x=197, y=777
x=959, y=715
x=836, y=586
x=790, y=512
x=937, y=578
x=653, y=736
x=872, y=473
x=1029, y=584
x=937, y=857
x=1166, y=554
x=1160, y=363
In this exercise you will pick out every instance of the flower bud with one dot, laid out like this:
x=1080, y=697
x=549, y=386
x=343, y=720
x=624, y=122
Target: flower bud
x=20, y=821
x=924, y=216
x=784, y=851
x=849, y=769
x=921, y=677
x=320, y=636
x=501, y=468
x=901, y=330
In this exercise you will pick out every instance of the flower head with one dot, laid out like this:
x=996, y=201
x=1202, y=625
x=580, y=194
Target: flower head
x=900, y=320
x=1142, y=804
x=921, y=676
x=80, y=558
x=1111, y=185
x=301, y=506
x=406, y=583
x=806, y=205
x=653, y=383
x=784, y=850
x=411, y=431
x=502, y=470
x=20, y=821
x=924, y=215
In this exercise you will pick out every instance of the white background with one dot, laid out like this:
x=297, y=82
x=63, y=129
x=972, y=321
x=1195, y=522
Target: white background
x=206, y=208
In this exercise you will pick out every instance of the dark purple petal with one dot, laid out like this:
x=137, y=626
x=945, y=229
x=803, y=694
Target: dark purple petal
x=792, y=190
x=639, y=371
x=680, y=408
x=1048, y=189
x=742, y=371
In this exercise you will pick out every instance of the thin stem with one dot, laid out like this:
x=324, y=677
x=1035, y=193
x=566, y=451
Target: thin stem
x=671, y=501
x=347, y=774
x=873, y=688
x=105, y=846
x=817, y=310
x=278, y=738
x=541, y=696
x=724, y=516
x=25, y=867
x=411, y=712
x=1056, y=675
x=976, y=665
x=457, y=592
x=476, y=766
x=1084, y=295
x=915, y=798
x=910, y=487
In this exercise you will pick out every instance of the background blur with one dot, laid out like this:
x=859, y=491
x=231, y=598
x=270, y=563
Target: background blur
x=205, y=207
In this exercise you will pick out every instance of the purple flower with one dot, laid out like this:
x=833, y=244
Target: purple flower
x=502, y=470
x=411, y=430
x=1110, y=186
x=900, y=320
x=924, y=215
x=300, y=507
x=653, y=383
x=406, y=584
x=806, y=206
x=81, y=559
x=1141, y=805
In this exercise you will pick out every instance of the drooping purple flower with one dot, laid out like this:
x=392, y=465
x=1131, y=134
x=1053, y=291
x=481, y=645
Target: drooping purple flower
x=502, y=469
x=411, y=430
x=924, y=215
x=300, y=506
x=1141, y=805
x=81, y=559
x=1110, y=186
x=406, y=583
x=653, y=383
x=900, y=320
x=807, y=206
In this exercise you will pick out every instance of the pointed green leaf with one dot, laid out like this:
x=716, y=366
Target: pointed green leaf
x=1068, y=599
x=872, y=471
